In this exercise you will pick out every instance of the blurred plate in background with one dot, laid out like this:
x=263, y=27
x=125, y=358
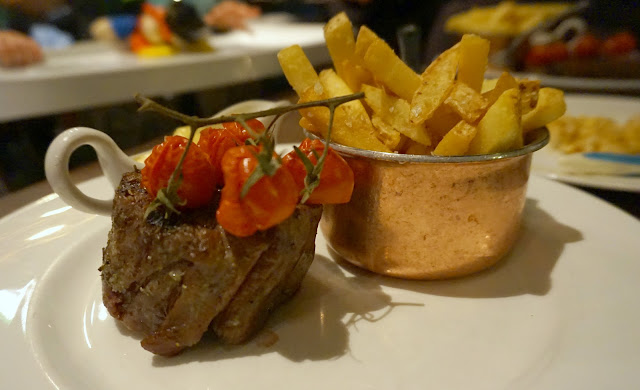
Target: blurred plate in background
x=618, y=108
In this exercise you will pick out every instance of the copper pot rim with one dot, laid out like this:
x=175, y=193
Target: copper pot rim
x=537, y=139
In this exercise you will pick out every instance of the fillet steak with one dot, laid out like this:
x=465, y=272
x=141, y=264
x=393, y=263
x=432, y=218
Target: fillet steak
x=173, y=280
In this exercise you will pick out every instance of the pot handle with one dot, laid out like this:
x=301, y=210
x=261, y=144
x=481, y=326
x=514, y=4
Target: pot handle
x=113, y=161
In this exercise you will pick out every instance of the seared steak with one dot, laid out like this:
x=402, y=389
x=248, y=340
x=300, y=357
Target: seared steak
x=169, y=281
x=275, y=277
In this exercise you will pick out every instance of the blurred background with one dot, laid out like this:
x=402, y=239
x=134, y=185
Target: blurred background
x=66, y=63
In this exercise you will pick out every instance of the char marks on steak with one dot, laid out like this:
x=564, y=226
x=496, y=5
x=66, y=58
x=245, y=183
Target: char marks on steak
x=170, y=281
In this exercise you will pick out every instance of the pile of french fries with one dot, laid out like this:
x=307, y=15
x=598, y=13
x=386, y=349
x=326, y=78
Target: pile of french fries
x=449, y=110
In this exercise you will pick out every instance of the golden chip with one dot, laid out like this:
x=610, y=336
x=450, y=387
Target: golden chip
x=436, y=83
x=466, y=102
x=386, y=67
x=456, y=141
x=474, y=56
x=500, y=129
x=395, y=112
x=297, y=69
x=550, y=107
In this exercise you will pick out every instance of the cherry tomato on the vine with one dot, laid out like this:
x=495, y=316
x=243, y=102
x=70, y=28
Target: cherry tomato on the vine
x=619, y=44
x=215, y=141
x=198, y=176
x=271, y=200
x=254, y=124
x=587, y=46
x=547, y=54
x=336, y=178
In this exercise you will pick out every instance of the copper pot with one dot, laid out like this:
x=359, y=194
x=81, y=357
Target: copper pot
x=430, y=217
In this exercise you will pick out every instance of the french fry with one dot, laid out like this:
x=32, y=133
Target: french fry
x=351, y=116
x=456, y=141
x=297, y=69
x=365, y=38
x=355, y=75
x=528, y=94
x=417, y=148
x=374, y=105
x=441, y=122
x=500, y=129
x=436, y=83
x=395, y=112
x=488, y=85
x=466, y=102
x=338, y=34
x=474, y=56
x=551, y=106
x=386, y=67
x=341, y=133
x=306, y=124
x=504, y=82
x=317, y=117
x=389, y=136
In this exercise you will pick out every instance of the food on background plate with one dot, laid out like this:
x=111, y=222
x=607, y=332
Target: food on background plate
x=404, y=112
x=504, y=19
x=155, y=31
x=581, y=39
x=582, y=134
x=215, y=234
x=573, y=48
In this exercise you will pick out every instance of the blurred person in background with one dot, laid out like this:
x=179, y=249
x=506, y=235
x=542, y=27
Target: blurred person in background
x=26, y=26
x=229, y=14
x=16, y=47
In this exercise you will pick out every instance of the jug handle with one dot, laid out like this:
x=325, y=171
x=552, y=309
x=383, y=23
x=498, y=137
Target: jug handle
x=113, y=161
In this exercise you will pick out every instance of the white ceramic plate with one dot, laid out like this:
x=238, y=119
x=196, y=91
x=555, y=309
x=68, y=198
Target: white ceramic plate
x=619, y=108
x=561, y=311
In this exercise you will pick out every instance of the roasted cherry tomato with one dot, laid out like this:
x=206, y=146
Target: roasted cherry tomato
x=540, y=55
x=619, y=44
x=336, y=178
x=587, y=46
x=254, y=124
x=271, y=200
x=198, y=176
x=215, y=141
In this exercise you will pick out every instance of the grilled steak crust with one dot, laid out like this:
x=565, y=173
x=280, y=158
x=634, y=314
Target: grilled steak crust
x=275, y=277
x=169, y=281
